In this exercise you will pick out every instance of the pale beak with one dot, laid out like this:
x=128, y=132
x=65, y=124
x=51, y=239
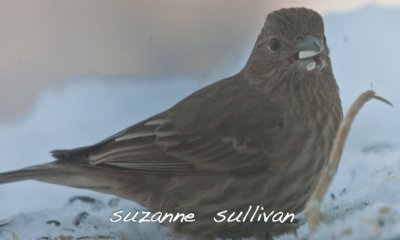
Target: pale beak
x=309, y=47
x=310, y=50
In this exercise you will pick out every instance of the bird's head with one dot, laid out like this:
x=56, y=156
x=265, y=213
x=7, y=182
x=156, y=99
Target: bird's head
x=292, y=40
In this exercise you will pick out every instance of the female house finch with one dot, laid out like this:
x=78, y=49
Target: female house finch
x=259, y=137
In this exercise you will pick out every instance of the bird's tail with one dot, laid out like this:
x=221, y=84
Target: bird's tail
x=42, y=172
x=79, y=175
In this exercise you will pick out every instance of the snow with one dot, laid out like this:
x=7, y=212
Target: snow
x=76, y=115
x=362, y=202
x=83, y=220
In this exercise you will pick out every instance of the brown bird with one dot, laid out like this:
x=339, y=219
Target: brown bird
x=259, y=137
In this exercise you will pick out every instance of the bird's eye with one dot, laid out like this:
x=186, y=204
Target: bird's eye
x=324, y=39
x=274, y=44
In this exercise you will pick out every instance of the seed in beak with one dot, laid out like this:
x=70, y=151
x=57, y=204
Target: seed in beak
x=307, y=54
x=311, y=66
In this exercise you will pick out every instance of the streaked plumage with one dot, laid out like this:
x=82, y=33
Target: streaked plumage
x=259, y=137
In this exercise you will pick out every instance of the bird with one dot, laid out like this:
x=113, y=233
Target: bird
x=259, y=137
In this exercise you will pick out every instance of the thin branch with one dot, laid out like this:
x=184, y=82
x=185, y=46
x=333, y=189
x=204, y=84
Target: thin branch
x=312, y=211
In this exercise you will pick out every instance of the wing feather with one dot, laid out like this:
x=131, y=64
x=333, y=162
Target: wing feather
x=171, y=151
x=203, y=133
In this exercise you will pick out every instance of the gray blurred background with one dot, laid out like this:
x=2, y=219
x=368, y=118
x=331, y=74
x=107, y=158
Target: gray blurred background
x=48, y=42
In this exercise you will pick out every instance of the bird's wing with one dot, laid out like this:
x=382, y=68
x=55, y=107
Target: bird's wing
x=155, y=145
x=212, y=137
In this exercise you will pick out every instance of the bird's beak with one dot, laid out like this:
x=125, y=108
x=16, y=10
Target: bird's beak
x=309, y=53
x=309, y=47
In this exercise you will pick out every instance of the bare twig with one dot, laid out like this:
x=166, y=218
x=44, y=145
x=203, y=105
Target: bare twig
x=312, y=211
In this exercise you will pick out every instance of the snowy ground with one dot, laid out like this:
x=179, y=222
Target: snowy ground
x=363, y=202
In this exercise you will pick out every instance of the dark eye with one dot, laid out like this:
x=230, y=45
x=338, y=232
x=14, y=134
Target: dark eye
x=324, y=39
x=274, y=44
